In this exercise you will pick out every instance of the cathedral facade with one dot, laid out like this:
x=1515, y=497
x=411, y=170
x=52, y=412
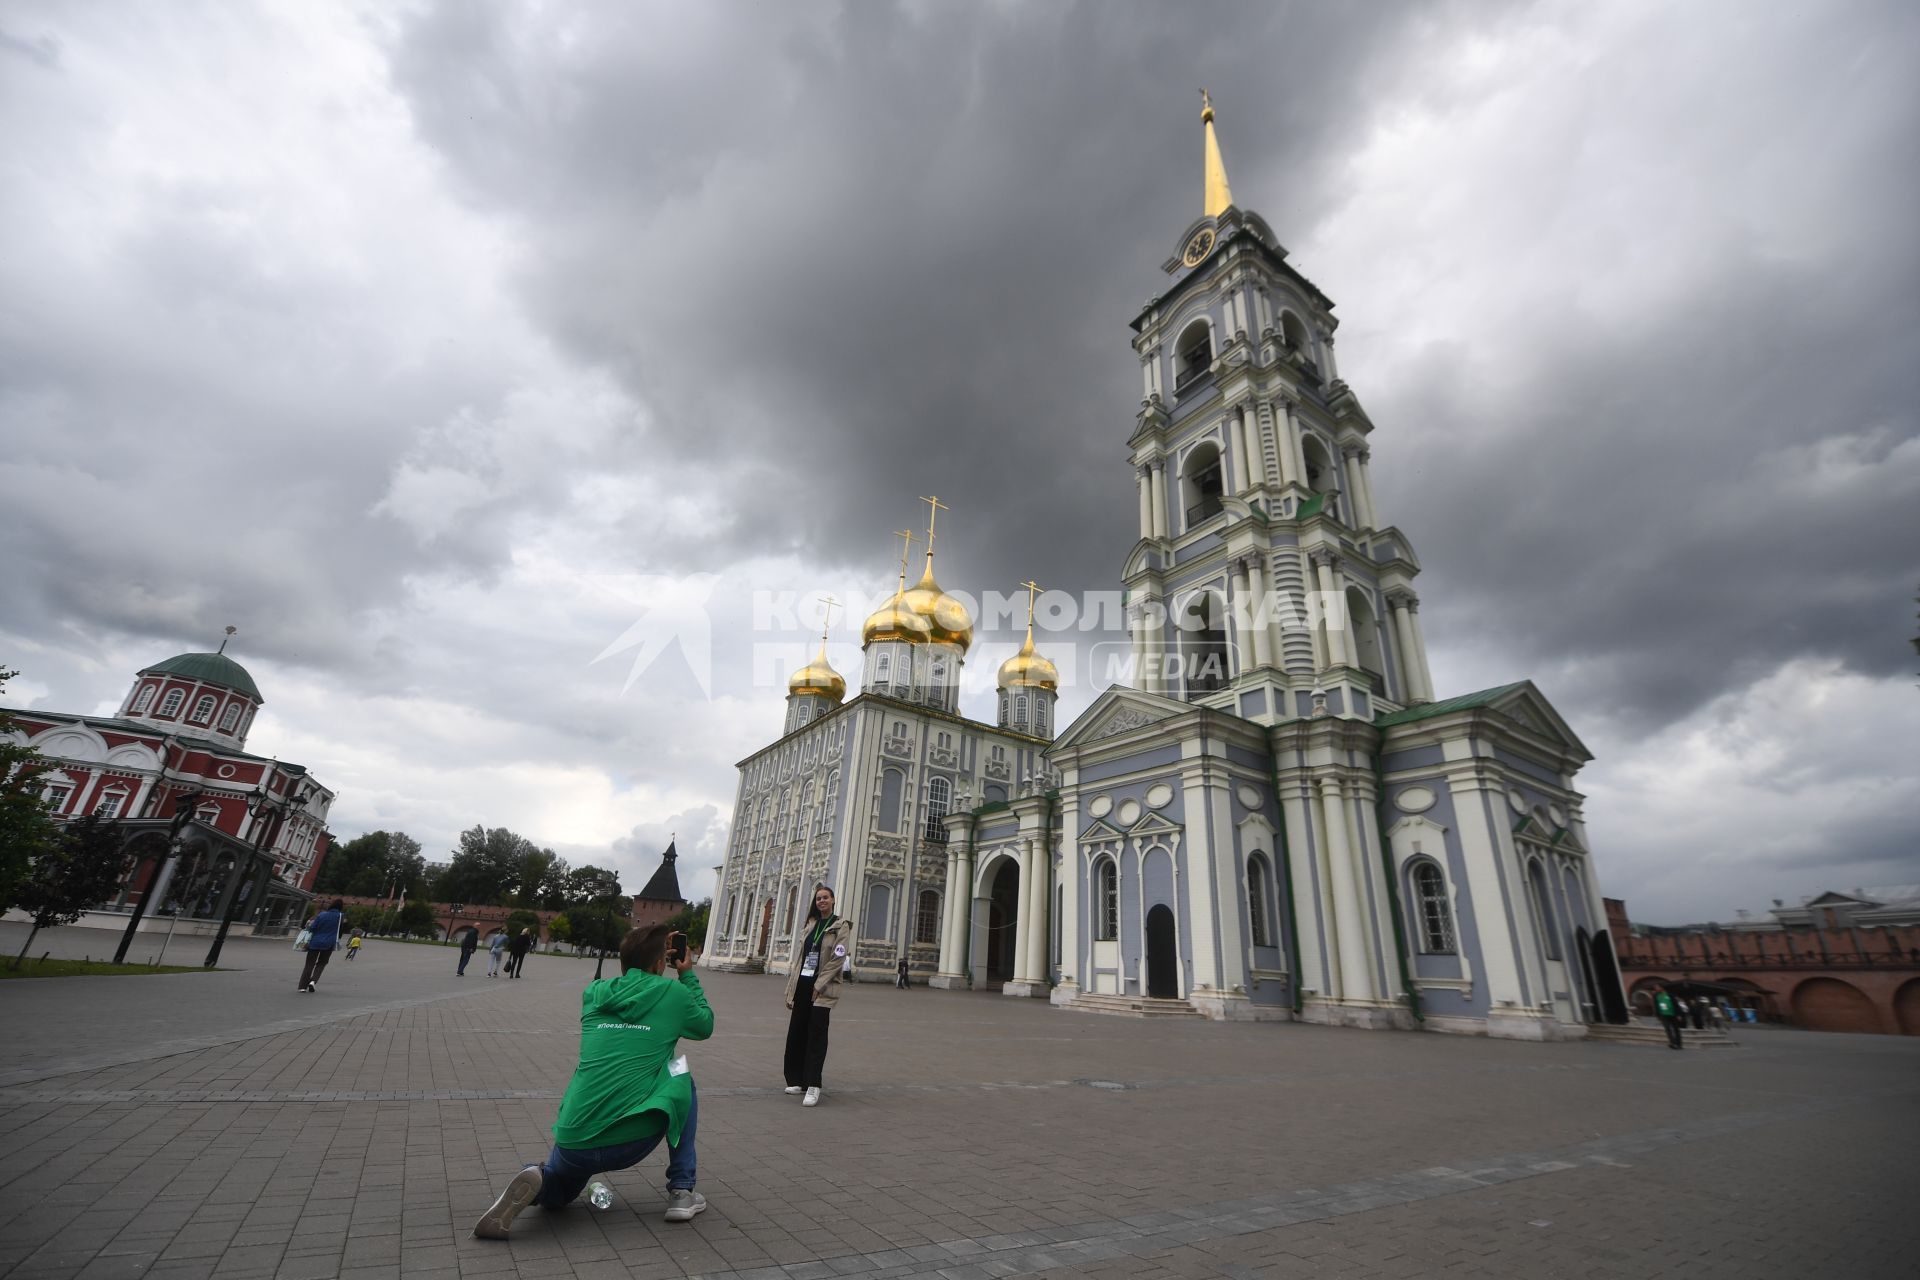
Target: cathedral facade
x=1272, y=816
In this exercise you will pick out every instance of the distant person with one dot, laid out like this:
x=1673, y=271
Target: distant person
x=813, y=988
x=1699, y=1013
x=1668, y=1010
x=518, y=949
x=353, y=945
x=900, y=974
x=630, y=1089
x=469, y=943
x=323, y=936
x=496, y=947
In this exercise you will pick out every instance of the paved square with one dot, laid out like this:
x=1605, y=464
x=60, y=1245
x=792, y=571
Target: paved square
x=224, y=1125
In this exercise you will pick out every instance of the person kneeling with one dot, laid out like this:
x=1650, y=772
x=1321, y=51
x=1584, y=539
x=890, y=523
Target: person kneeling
x=630, y=1089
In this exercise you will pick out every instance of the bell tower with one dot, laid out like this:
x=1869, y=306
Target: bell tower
x=1264, y=581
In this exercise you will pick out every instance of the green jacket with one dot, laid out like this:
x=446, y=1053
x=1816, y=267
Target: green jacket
x=630, y=1027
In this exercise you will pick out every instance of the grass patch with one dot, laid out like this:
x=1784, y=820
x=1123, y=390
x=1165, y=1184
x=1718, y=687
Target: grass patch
x=31, y=968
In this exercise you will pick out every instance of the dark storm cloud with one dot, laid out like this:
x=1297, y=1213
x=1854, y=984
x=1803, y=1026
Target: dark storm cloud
x=854, y=254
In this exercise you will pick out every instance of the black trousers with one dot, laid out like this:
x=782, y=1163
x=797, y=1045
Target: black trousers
x=1673, y=1031
x=807, y=1042
x=315, y=964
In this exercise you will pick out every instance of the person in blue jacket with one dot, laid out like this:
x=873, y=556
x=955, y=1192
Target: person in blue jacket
x=323, y=936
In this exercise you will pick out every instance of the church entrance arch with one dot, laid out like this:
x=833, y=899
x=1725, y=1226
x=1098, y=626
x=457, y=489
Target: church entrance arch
x=1003, y=921
x=1163, y=974
x=766, y=928
x=1606, y=978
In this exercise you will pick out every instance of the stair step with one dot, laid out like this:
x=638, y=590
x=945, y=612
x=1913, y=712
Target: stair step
x=1640, y=1033
x=1134, y=1006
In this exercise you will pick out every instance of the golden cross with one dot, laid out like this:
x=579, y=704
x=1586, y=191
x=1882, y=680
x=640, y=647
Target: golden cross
x=826, y=623
x=906, y=550
x=1206, y=100
x=934, y=508
x=1032, y=587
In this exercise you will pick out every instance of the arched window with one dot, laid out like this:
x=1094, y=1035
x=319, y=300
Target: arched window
x=1106, y=914
x=1323, y=473
x=1193, y=353
x=203, y=709
x=1200, y=483
x=1006, y=703
x=231, y=718
x=170, y=705
x=1293, y=335
x=1204, y=643
x=793, y=906
x=800, y=812
x=882, y=668
x=145, y=700
x=1020, y=703
x=1365, y=627
x=926, y=918
x=1039, y=716
x=826, y=804
x=891, y=786
x=1436, y=915
x=110, y=804
x=939, y=804
x=732, y=902
x=1257, y=901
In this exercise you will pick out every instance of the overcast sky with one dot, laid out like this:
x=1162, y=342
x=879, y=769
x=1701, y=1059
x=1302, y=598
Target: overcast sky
x=443, y=348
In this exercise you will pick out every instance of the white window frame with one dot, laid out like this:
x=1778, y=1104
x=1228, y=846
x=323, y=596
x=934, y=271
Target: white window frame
x=203, y=709
x=1433, y=908
x=1106, y=879
x=171, y=704
x=1257, y=901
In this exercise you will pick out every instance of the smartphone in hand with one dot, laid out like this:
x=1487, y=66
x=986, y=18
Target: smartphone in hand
x=676, y=947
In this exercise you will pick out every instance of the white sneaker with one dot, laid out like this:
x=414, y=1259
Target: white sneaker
x=812, y=1099
x=499, y=1216
x=793, y=1088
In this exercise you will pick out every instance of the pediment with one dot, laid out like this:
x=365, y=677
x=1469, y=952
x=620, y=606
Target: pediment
x=1099, y=831
x=1529, y=709
x=1830, y=898
x=1116, y=712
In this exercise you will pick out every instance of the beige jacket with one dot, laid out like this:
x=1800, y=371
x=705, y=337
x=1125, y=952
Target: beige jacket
x=836, y=956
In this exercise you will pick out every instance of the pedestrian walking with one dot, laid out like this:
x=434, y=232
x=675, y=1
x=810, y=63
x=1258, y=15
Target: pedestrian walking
x=813, y=988
x=469, y=943
x=1699, y=1013
x=496, y=947
x=1667, y=1009
x=323, y=936
x=518, y=949
x=630, y=1089
x=900, y=974
x=353, y=945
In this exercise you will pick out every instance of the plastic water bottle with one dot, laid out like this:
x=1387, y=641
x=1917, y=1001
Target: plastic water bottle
x=599, y=1194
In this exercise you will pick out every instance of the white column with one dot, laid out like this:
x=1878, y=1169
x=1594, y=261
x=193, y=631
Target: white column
x=1356, y=491
x=1144, y=483
x=1042, y=912
x=1365, y=469
x=1295, y=445
x=1420, y=647
x=950, y=927
x=1243, y=468
x=1352, y=944
x=1237, y=620
x=1329, y=648
x=1073, y=968
x=1410, y=687
x=1159, y=477
x=1257, y=609
x=1316, y=969
x=1347, y=647
x=1332, y=370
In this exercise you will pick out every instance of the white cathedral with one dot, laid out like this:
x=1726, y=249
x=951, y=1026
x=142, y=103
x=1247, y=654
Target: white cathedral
x=1277, y=819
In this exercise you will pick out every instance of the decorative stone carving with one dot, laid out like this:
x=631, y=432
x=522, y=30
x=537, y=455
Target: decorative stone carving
x=1129, y=812
x=1414, y=799
x=898, y=748
x=998, y=769
x=1247, y=796
x=1159, y=796
x=1125, y=721
x=1100, y=806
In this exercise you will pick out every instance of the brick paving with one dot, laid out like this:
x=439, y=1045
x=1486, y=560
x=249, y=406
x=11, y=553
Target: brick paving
x=223, y=1125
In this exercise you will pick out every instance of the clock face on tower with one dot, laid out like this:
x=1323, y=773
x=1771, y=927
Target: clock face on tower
x=1199, y=247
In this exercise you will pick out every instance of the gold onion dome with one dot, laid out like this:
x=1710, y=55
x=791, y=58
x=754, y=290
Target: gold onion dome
x=895, y=621
x=819, y=678
x=947, y=619
x=1028, y=669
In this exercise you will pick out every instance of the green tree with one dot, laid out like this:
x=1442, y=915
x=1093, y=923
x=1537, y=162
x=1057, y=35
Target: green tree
x=692, y=921
x=486, y=869
x=79, y=870
x=416, y=920
x=543, y=880
x=375, y=865
x=560, y=928
x=598, y=929
x=27, y=830
x=523, y=920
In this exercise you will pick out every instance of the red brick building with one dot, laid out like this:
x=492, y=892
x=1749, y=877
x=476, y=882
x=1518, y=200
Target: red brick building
x=182, y=730
x=1839, y=962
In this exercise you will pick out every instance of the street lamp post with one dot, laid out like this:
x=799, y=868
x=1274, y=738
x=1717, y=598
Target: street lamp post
x=183, y=807
x=261, y=810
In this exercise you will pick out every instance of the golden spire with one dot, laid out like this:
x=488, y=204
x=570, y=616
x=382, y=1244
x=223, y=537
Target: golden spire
x=818, y=677
x=894, y=620
x=906, y=550
x=1027, y=668
x=1032, y=588
x=1218, y=195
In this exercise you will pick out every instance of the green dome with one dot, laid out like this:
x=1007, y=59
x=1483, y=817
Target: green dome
x=213, y=668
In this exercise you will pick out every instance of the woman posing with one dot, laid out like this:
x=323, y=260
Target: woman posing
x=819, y=966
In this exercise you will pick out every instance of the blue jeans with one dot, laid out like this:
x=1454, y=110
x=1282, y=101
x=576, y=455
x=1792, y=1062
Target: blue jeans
x=567, y=1170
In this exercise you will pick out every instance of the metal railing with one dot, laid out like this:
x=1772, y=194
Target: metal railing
x=1207, y=506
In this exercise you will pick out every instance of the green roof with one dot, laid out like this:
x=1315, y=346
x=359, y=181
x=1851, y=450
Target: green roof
x=1311, y=507
x=1465, y=702
x=213, y=668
